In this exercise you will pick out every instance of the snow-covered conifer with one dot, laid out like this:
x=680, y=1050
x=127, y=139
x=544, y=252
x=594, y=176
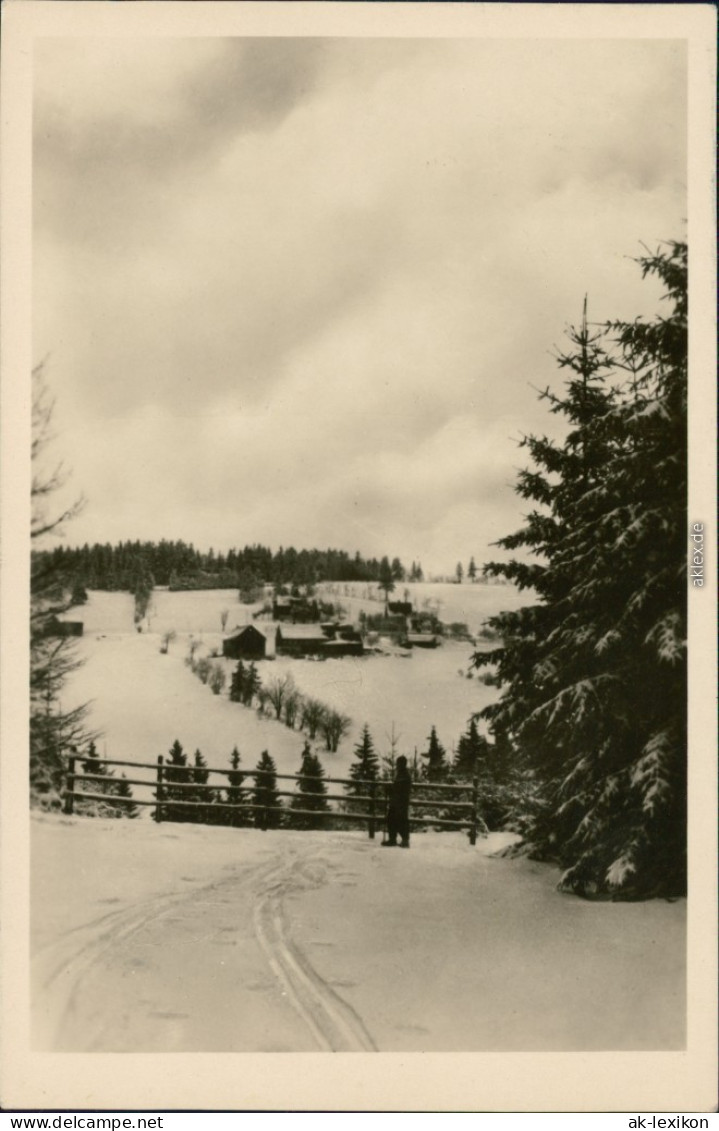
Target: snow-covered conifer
x=594, y=674
x=265, y=793
x=311, y=791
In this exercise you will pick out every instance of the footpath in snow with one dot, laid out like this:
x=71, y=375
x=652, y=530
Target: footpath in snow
x=162, y=938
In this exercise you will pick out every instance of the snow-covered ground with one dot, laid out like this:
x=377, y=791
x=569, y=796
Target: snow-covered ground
x=141, y=700
x=152, y=938
x=171, y=938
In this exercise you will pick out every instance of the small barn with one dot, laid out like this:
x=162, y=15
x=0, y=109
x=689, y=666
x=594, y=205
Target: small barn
x=247, y=643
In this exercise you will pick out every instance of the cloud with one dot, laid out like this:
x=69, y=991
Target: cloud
x=311, y=282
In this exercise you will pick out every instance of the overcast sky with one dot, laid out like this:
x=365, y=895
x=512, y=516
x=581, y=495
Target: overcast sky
x=298, y=292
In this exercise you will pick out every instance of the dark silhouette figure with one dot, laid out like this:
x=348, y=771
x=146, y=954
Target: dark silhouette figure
x=398, y=808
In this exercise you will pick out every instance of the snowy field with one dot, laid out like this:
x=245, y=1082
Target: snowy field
x=162, y=938
x=150, y=938
x=141, y=701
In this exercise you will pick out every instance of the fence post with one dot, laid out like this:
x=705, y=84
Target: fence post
x=264, y=822
x=372, y=809
x=158, y=807
x=475, y=805
x=70, y=785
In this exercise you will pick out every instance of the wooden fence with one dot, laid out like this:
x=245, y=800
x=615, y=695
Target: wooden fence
x=425, y=796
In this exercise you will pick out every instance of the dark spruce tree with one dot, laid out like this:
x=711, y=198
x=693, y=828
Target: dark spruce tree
x=386, y=582
x=251, y=685
x=177, y=775
x=207, y=814
x=365, y=768
x=501, y=787
x=593, y=675
x=99, y=785
x=471, y=752
x=237, y=683
x=436, y=768
x=79, y=594
x=265, y=797
x=236, y=795
x=127, y=807
x=310, y=798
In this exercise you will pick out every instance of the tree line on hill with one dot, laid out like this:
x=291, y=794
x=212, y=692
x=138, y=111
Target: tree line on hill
x=133, y=566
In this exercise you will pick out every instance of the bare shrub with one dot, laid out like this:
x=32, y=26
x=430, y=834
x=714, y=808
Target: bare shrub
x=278, y=690
x=217, y=678
x=334, y=727
x=292, y=707
x=312, y=714
x=166, y=640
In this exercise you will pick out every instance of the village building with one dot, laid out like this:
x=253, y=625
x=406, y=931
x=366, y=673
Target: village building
x=296, y=610
x=300, y=640
x=250, y=643
x=324, y=640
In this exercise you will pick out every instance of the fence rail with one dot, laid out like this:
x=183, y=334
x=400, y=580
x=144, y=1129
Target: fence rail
x=372, y=802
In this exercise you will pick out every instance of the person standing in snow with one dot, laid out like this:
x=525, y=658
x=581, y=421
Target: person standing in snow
x=398, y=808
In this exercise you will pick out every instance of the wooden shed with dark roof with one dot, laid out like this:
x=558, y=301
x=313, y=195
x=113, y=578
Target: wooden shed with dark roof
x=247, y=643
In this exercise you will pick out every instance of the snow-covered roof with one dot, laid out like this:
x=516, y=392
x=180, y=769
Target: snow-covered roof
x=301, y=632
x=243, y=628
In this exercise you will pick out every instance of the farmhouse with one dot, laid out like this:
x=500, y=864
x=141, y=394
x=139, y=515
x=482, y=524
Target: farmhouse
x=248, y=643
x=318, y=640
x=300, y=640
x=297, y=610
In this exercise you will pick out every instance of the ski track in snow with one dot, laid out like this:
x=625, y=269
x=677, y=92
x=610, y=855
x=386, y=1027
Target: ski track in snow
x=333, y=1023
x=61, y=969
